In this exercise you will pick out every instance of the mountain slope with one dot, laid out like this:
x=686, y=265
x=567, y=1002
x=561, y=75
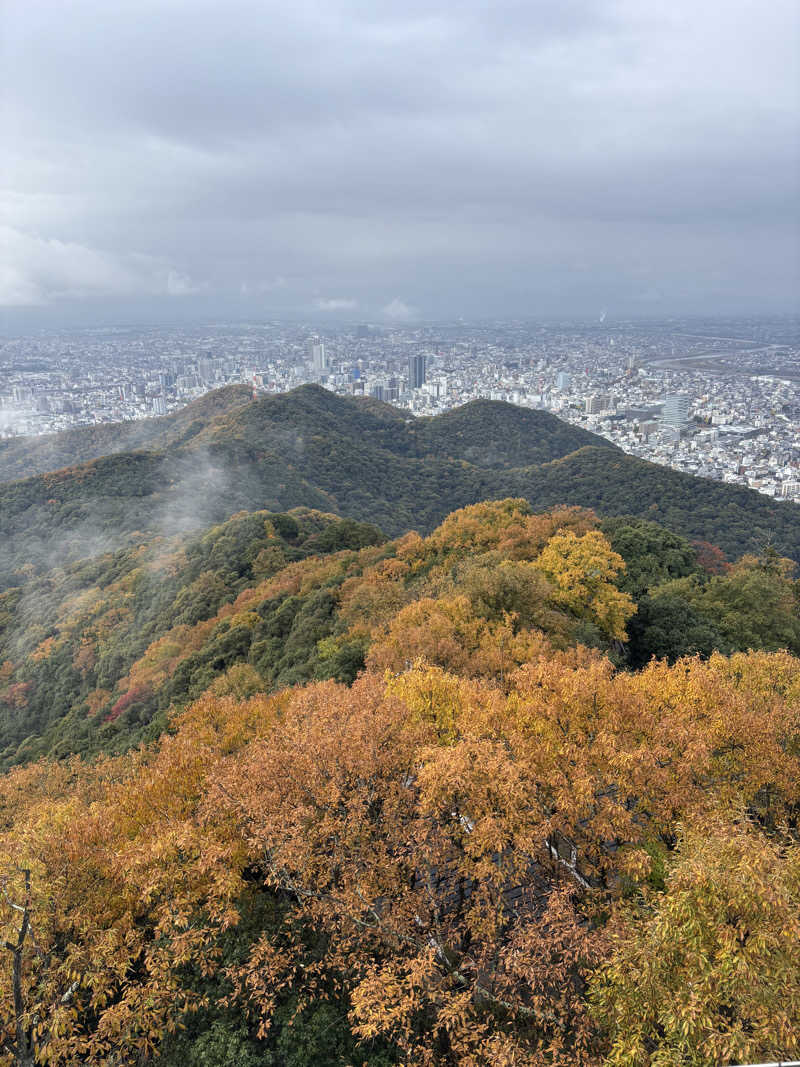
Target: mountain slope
x=491, y=433
x=514, y=437
x=21, y=457
x=738, y=519
x=489, y=832
x=95, y=656
x=68, y=638
x=310, y=448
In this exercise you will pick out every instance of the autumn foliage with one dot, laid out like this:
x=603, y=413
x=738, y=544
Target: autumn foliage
x=457, y=843
x=494, y=846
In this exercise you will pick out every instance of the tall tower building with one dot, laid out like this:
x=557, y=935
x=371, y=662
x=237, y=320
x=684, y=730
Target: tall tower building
x=317, y=355
x=416, y=371
x=676, y=410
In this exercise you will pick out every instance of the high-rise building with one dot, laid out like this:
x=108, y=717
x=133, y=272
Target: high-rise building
x=206, y=369
x=598, y=402
x=416, y=371
x=676, y=410
x=315, y=353
x=562, y=380
x=318, y=357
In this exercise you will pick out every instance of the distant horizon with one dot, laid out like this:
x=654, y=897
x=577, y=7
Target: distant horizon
x=310, y=320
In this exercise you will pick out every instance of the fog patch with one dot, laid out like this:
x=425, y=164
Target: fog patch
x=197, y=499
x=16, y=421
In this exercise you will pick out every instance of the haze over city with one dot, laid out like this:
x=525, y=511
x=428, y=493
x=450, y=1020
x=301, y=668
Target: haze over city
x=189, y=161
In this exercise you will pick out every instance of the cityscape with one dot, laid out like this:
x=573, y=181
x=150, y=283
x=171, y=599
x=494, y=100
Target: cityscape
x=715, y=398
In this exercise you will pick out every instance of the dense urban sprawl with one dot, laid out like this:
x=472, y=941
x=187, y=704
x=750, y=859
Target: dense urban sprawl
x=720, y=399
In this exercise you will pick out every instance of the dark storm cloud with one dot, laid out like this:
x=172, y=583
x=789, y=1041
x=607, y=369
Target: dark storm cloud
x=358, y=157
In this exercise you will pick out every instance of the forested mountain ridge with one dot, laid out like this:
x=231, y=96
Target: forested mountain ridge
x=310, y=448
x=521, y=436
x=68, y=638
x=95, y=656
x=402, y=801
x=23, y=457
x=492, y=433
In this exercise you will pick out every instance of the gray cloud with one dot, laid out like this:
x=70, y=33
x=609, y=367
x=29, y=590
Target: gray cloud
x=513, y=157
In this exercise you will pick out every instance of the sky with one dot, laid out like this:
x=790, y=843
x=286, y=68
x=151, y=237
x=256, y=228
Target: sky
x=363, y=160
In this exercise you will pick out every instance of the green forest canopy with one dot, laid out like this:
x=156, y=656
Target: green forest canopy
x=310, y=448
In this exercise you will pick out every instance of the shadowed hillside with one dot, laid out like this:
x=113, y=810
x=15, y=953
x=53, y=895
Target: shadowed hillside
x=491, y=433
x=310, y=448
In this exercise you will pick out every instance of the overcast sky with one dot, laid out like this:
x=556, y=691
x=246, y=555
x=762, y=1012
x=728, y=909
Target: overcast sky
x=170, y=160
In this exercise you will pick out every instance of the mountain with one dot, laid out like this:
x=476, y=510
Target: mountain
x=516, y=439
x=310, y=448
x=98, y=655
x=70, y=637
x=21, y=457
x=493, y=434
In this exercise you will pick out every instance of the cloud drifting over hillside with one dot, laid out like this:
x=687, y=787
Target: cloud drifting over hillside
x=505, y=158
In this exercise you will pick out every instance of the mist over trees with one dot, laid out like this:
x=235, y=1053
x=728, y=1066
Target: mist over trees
x=310, y=448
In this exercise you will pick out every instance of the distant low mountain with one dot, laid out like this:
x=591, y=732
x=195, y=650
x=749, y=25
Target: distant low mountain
x=311, y=448
x=490, y=433
x=21, y=457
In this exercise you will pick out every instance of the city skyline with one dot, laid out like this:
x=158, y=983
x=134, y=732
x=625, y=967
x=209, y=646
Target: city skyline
x=716, y=398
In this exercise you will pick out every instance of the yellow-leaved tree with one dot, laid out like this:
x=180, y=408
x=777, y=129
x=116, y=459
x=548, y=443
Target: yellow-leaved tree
x=708, y=971
x=583, y=570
